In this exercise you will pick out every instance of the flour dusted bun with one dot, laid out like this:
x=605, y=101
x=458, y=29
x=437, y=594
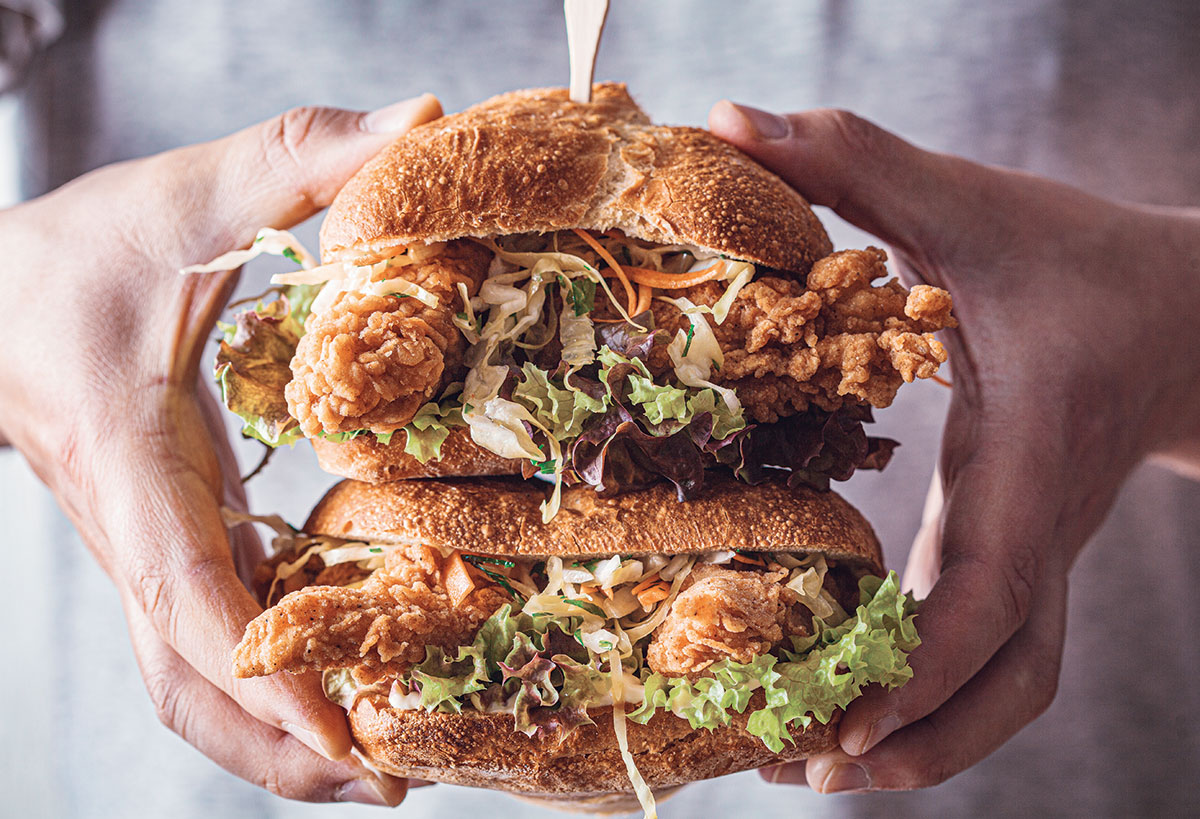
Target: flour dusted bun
x=501, y=516
x=534, y=161
x=585, y=772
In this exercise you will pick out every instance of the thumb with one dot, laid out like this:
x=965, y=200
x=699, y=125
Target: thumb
x=285, y=169
x=868, y=176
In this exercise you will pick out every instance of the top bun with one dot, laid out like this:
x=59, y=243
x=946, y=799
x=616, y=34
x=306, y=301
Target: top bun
x=501, y=516
x=534, y=161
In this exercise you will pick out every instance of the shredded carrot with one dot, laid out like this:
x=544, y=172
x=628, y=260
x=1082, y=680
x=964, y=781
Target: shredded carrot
x=753, y=561
x=645, y=297
x=941, y=381
x=670, y=281
x=654, y=594
x=611, y=262
x=646, y=582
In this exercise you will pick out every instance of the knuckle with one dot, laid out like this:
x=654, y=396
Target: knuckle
x=283, y=777
x=1018, y=577
x=858, y=135
x=294, y=128
x=162, y=684
x=283, y=141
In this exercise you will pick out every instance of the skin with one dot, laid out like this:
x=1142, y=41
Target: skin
x=1071, y=367
x=101, y=395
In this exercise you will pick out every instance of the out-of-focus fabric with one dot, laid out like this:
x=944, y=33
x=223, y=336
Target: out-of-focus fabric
x=26, y=26
x=1099, y=93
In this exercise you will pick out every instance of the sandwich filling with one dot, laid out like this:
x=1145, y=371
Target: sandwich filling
x=780, y=637
x=589, y=357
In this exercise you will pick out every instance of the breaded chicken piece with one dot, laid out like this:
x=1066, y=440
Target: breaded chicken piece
x=370, y=362
x=833, y=339
x=723, y=614
x=382, y=626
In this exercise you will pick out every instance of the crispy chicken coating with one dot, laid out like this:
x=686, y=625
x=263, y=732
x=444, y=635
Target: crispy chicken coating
x=382, y=626
x=370, y=362
x=723, y=613
x=833, y=339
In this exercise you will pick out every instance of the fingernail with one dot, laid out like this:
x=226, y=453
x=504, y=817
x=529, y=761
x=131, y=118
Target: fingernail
x=400, y=116
x=765, y=125
x=879, y=732
x=370, y=792
x=846, y=776
x=785, y=774
x=309, y=738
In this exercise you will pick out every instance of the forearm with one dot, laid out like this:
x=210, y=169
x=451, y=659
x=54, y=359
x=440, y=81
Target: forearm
x=1171, y=252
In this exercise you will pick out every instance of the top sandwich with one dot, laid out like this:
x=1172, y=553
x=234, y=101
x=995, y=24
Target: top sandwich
x=539, y=285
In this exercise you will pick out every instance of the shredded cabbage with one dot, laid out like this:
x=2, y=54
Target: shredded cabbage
x=268, y=240
x=644, y=794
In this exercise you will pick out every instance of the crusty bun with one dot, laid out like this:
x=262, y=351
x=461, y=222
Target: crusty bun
x=365, y=459
x=534, y=161
x=501, y=516
x=585, y=771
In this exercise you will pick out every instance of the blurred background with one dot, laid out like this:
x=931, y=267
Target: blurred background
x=1099, y=93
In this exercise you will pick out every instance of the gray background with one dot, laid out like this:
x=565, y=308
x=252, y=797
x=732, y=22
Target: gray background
x=1102, y=94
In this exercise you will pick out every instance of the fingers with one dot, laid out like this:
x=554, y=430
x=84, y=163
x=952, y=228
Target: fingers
x=162, y=538
x=995, y=537
x=869, y=176
x=286, y=169
x=218, y=727
x=1012, y=690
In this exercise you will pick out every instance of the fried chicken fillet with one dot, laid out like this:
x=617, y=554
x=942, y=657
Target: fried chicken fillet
x=370, y=361
x=827, y=340
x=383, y=626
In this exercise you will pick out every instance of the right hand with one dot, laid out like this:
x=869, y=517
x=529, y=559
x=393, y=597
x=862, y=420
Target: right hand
x=99, y=391
x=1074, y=360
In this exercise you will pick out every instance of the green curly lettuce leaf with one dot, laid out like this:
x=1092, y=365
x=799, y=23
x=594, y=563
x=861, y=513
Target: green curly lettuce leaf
x=429, y=428
x=563, y=411
x=824, y=672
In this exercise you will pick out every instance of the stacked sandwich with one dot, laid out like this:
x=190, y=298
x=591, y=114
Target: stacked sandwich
x=590, y=379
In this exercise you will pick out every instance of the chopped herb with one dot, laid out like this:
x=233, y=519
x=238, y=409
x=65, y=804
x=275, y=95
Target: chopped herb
x=579, y=293
x=586, y=606
x=375, y=550
x=545, y=467
x=461, y=316
x=398, y=295
x=290, y=254
x=688, y=344
x=484, y=559
x=502, y=581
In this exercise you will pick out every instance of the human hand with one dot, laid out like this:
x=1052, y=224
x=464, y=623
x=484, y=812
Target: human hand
x=100, y=393
x=1070, y=366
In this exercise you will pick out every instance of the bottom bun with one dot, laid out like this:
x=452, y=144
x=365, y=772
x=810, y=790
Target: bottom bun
x=365, y=459
x=584, y=771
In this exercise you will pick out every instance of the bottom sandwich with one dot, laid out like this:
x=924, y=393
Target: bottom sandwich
x=632, y=644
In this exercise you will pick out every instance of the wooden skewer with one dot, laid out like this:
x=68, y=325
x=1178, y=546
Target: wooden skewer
x=585, y=22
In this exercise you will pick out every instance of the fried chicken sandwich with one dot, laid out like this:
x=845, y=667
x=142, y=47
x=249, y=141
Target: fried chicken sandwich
x=536, y=285
x=656, y=326
x=632, y=644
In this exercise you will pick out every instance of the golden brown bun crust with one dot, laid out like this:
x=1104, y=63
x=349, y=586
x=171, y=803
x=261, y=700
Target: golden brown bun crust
x=585, y=770
x=501, y=516
x=365, y=459
x=533, y=161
